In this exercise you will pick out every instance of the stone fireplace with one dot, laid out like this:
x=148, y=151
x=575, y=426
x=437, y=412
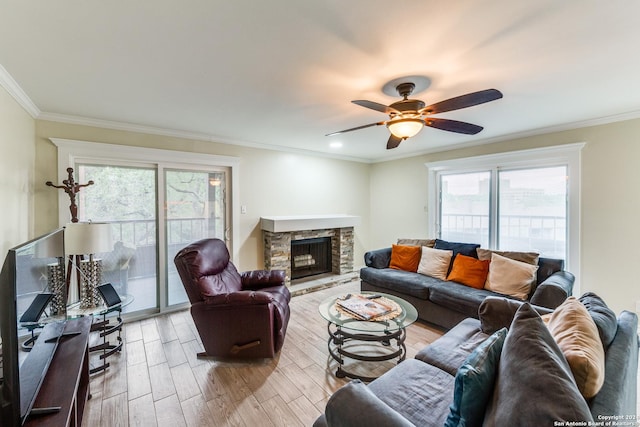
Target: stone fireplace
x=281, y=233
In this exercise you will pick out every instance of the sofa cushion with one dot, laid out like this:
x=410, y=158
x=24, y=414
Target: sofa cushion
x=451, y=350
x=355, y=404
x=474, y=383
x=435, y=262
x=468, y=249
x=413, y=284
x=577, y=336
x=419, y=392
x=469, y=271
x=604, y=318
x=528, y=257
x=458, y=297
x=405, y=258
x=531, y=357
x=510, y=277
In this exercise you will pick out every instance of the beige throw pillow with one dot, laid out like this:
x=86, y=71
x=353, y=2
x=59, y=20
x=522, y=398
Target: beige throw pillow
x=435, y=262
x=576, y=333
x=510, y=277
x=417, y=242
x=528, y=257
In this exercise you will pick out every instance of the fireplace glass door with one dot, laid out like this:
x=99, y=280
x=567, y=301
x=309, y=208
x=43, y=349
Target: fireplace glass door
x=310, y=257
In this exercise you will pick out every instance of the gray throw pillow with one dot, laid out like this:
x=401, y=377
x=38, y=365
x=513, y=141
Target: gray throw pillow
x=604, y=318
x=355, y=405
x=534, y=386
x=474, y=383
x=497, y=312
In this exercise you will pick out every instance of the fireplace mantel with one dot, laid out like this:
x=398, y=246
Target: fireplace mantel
x=283, y=224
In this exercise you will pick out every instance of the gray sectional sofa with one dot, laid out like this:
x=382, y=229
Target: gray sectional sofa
x=446, y=303
x=537, y=391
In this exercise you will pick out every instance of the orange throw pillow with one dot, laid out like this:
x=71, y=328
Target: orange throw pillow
x=405, y=258
x=469, y=271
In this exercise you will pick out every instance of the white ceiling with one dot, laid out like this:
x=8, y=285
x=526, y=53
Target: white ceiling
x=282, y=73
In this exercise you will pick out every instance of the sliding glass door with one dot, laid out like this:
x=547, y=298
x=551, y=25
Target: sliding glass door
x=154, y=211
x=125, y=197
x=195, y=208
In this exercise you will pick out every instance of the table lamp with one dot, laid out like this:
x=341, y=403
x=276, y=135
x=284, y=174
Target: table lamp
x=88, y=238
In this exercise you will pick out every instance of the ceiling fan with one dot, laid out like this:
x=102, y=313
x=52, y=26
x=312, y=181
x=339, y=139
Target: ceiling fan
x=408, y=116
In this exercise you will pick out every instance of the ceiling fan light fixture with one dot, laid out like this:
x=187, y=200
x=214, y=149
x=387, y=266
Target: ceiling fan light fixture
x=405, y=128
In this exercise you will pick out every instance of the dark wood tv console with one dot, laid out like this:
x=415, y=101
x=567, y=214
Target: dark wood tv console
x=66, y=384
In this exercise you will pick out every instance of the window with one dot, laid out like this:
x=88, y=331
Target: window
x=532, y=211
x=157, y=202
x=521, y=201
x=464, y=207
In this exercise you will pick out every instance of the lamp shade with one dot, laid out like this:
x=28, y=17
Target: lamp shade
x=81, y=238
x=405, y=128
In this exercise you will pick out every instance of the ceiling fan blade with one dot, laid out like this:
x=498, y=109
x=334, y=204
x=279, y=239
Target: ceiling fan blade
x=375, y=106
x=453, y=125
x=356, y=128
x=462, y=101
x=393, y=142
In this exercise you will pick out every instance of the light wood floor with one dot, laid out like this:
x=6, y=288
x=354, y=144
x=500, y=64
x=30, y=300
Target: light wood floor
x=158, y=381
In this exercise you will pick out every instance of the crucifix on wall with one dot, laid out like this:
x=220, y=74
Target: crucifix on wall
x=71, y=188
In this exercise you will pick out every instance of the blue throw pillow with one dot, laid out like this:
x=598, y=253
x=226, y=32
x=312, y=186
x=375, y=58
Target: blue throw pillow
x=474, y=382
x=468, y=249
x=604, y=318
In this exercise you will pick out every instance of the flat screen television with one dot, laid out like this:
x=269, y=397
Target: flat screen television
x=23, y=281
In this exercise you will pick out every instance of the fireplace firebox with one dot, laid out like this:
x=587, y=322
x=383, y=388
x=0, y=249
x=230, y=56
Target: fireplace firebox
x=310, y=257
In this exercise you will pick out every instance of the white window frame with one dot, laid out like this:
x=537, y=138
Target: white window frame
x=567, y=154
x=72, y=152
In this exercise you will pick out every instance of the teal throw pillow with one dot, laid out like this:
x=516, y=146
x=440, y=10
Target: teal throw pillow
x=474, y=382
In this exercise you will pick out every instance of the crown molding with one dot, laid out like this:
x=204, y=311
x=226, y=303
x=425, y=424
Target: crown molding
x=631, y=115
x=174, y=133
x=14, y=89
x=77, y=120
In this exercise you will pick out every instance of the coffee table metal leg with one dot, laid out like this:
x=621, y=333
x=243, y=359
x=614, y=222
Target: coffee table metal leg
x=339, y=337
x=401, y=345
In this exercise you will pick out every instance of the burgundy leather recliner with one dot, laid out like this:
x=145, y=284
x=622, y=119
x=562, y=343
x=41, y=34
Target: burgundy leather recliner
x=237, y=315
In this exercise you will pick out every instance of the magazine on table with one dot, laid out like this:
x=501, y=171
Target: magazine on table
x=363, y=307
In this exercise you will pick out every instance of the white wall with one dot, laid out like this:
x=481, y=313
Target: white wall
x=17, y=145
x=270, y=183
x=398, y=201
x=610, y=202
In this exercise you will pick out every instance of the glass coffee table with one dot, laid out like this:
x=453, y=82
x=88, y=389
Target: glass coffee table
x=366, y=340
